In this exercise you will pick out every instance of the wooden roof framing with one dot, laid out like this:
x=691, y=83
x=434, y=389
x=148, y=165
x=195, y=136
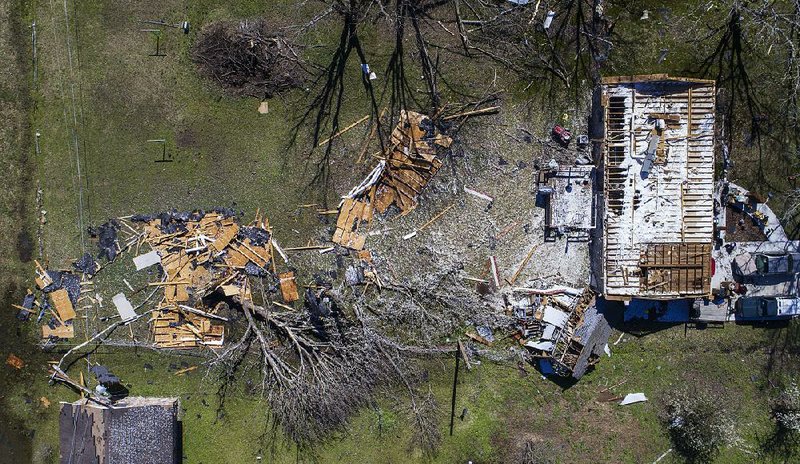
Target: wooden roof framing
x=670, y=204
x=676, y=268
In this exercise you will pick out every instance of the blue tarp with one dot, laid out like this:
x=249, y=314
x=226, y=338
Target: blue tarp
x=546, y=367
x=658, y=311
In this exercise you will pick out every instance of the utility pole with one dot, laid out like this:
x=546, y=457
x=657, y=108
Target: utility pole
x=455, y=383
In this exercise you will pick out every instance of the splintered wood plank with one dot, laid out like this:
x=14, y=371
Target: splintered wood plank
x=288, y=287
x=235, y=258
x=169, y=293
x=201, y=277
x=409, y=179
x=337, y=236
x=366, y=215
x=353, y=214
x=62, y=331
x=357, y=241
x=181, y=294
x=253, y=253
x=384, y=197
x=345, y=213
x=63, y=305
x=406, y=202
x=231, y=290
x=224, y=238
x=353, y=240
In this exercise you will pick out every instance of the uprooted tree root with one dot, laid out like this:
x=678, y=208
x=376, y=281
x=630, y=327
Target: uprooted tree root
x=248, y=58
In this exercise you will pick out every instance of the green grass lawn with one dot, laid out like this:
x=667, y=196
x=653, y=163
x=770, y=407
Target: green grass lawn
x=99, y=97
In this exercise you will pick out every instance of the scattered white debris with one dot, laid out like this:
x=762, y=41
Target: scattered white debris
x=549, y=19
x=545, y=345
x=146, y=260
x=478, y=194
x=409, y=235
x=280, y=251
x=326, y=250
x=555, y=316
x=374, y=233
x=607, y=350
x=495, y=274
x=632, y=398
x=662, y=456
x=124, y=307
x=368, y=182
x=365, y=69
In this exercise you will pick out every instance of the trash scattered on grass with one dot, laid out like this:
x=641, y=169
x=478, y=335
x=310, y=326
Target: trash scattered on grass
x=632, y=398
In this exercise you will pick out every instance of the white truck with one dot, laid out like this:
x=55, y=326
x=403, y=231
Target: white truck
x=767, y=308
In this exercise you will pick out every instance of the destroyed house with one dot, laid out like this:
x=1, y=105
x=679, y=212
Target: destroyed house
x=134, y=430
x=658, y=174
x=565, y=331
x=567, y=194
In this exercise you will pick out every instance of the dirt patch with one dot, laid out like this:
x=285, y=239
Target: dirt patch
x=24, y=246
x=741, y=228
x=187, y=138
x=593, y=425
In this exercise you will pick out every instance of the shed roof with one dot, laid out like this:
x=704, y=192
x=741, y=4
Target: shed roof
x=136, y=430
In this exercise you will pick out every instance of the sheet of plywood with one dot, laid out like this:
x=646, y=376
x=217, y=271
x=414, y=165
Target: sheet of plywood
x=146, y=260
x=288, y=287
x=231, y=290
x=181, y=293
x=224, y=238
x=62, y=331
x=235, y=258
x=63, y=305
x=124, y=307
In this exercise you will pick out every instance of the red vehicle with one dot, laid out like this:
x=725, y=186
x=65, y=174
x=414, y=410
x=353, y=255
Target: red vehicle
x=562, y=135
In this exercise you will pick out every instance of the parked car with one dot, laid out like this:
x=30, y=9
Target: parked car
x=760, y=308
x=766, y=264
x=784, y=263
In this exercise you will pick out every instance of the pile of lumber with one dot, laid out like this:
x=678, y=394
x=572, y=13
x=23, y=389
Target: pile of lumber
x=175, y=328
x=59, y=295
x=196, y=254
x=406, y=168
x=200, y=255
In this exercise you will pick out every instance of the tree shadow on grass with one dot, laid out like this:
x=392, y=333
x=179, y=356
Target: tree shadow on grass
x=784, y=347
x=780, y=446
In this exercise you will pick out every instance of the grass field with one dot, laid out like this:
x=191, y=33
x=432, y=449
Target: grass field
x=98, y=97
